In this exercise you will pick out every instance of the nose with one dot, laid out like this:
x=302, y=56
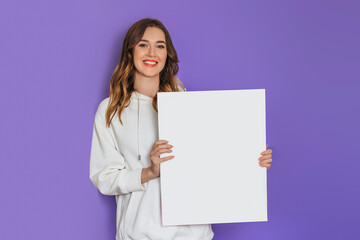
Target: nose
x=151, y=51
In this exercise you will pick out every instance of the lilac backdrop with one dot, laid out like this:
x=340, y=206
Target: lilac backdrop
x=56, y=59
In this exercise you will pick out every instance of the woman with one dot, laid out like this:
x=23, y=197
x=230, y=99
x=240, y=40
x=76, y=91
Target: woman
x=125, y=152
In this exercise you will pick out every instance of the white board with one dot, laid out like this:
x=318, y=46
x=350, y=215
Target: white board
x=215, y=176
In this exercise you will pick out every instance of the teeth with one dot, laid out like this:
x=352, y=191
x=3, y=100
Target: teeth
x=152, y=63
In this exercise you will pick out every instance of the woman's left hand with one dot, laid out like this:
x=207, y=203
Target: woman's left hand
x=265, y=159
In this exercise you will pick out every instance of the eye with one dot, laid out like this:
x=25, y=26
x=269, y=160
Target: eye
x=161, y=46
x=143, y=44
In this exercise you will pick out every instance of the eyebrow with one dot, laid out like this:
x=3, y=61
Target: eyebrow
x=144, y=40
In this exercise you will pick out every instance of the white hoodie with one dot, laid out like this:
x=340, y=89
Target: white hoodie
x=118, y=154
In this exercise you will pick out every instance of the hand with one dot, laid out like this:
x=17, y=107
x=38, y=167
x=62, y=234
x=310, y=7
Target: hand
x=265, y=159
x=159, y=147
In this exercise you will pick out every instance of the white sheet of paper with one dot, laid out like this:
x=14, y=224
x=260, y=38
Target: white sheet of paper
x=215, y=176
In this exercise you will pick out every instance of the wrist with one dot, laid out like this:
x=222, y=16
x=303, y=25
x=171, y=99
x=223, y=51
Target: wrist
x=146, y=175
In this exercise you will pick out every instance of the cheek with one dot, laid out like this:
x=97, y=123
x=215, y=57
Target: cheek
x=163, y=57
x=137, y=57
x=138, y=54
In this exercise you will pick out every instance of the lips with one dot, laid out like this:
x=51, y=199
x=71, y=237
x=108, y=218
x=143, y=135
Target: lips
x=150, y=63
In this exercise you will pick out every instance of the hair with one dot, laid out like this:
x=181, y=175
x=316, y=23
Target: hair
x=122, y=81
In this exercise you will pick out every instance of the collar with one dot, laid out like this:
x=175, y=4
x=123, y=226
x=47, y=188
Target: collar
x=141, y=97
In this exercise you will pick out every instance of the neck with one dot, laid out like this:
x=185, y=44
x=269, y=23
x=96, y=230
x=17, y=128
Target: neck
x=148, y=86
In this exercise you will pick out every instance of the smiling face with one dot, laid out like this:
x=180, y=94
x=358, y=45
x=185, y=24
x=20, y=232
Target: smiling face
x=150, y=53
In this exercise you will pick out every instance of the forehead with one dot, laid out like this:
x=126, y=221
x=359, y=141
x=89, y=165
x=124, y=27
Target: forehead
x=154, y=34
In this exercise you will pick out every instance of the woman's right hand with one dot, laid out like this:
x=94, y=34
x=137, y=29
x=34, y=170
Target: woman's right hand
x=160, y=146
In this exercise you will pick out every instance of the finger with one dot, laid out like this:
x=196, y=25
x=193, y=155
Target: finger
x=160, y=151
x=266, y=152
x=163, y=150
x=160, y=142
x=265, y=157
x=160, y=146
x=164, y=145
x=166, y=158
x=266, y=161
x=265, y=165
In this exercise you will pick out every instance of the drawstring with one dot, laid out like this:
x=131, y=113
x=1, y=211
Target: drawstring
x=141, y=99
x=138, y=128
x=144, y=99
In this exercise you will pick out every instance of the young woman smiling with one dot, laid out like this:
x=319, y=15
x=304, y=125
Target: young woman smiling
x=125, y=151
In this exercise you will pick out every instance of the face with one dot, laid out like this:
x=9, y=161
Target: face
x=150, y=53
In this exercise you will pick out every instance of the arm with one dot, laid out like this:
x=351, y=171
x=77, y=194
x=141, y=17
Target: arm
x=146, y=175
x=107, y=165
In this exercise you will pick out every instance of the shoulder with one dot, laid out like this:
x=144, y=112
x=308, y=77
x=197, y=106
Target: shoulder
x=103, y=104
x=182, y=89
x=180, y=84
x=101, y=109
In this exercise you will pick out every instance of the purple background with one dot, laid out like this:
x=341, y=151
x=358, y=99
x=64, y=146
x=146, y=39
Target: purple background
x=56, y=60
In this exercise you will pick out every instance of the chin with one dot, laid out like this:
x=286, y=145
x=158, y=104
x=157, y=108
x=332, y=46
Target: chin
x=151, y=75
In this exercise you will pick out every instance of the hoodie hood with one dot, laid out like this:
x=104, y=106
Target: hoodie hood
x=143, y=98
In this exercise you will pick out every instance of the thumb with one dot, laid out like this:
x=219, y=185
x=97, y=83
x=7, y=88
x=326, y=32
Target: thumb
x=267, y=146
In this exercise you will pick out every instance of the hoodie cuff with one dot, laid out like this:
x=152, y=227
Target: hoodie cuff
x=135, y=181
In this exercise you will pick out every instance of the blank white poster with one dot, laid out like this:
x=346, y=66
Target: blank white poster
x=215, y=176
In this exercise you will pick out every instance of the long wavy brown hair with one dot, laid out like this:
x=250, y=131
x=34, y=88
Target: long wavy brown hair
x=122, y=82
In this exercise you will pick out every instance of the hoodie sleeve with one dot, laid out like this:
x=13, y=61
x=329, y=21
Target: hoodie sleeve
x=107, y=164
